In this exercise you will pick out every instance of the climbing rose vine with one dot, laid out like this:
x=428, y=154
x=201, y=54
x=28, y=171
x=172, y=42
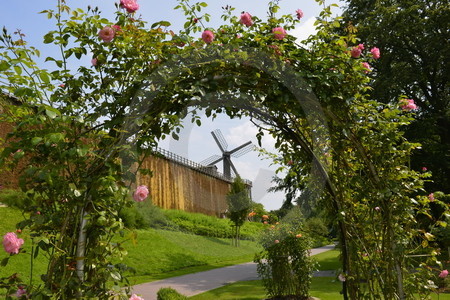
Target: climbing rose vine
x=81, y=131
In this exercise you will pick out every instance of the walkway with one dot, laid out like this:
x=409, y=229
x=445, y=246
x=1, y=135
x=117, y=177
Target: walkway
x=197, y=283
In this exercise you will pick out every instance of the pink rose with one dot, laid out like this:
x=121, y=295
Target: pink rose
x=276, y=241
x=361, y=47
x=130, y=5
x=208, y=36
x=431, y=197
x=107, y=34
x=279, y=33
x=12, y=243
x=408, y=104
x=94, y=61
x=443, y=274
x=141, y=193
x=375, y=52
x=246, y=19
x=424, y=169
x=117, y=28
x=356, y=52
x=276, y=49
x=20, y=292
x=135, y=297
x=299, y=13
x=366, y=66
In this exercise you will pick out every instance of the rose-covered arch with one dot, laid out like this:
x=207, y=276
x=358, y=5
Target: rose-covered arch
x=348, y=150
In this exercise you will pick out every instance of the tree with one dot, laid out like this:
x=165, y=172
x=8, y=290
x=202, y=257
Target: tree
x=239, y=205
x=414, y=40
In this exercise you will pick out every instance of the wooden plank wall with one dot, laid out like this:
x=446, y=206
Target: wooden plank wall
x=175, y=186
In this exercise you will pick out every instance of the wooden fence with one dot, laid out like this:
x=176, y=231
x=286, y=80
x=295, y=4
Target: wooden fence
x=178, y=183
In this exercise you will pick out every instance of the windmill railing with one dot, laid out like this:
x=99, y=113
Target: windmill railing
x=195, y=166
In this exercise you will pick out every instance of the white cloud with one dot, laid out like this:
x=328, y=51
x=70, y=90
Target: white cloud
x=304, y=30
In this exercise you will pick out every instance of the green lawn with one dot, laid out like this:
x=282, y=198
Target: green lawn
x=325, y=288
x=156, y=254
x=19, y=264
x=161, y=254
x=328, y=260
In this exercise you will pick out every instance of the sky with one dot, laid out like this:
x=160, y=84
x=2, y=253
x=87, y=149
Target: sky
x=196, y=143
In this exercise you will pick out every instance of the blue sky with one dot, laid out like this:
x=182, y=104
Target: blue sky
x=196, y=143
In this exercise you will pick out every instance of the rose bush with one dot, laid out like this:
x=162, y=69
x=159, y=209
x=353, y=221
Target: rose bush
x=84, y=131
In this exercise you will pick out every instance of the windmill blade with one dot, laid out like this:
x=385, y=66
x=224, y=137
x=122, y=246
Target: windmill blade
x=211, y=160
x=234, y=169
x=220, y=140
x=242, y=149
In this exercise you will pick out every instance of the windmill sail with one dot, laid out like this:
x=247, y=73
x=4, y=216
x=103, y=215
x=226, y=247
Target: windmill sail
x=228, y=166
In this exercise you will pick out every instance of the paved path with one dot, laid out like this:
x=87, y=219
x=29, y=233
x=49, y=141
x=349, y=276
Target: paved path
x=193, y=284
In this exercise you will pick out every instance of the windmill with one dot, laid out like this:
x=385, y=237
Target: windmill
x=228, y=166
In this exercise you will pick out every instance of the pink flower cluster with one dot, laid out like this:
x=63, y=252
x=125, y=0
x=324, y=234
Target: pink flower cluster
x=20, y=292
x=141, y=193
x=135, y=297
x=208, y=36
x=443, y=274
x=12, y=243
x=408, y=104
x=375, y=52
x=299, y=13
x=246, y=19
x=130, y=5
x=357, y=51
x=366, y=66
x=279, y=33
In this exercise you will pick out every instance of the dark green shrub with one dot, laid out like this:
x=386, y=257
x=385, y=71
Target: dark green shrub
x=285, y=265
x=316, y=227
x=201, y=224
x=143, y=215
x=15, y=198
x=169, y=294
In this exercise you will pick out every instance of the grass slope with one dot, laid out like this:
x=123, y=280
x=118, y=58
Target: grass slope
x=154, y=254
x=161, y=254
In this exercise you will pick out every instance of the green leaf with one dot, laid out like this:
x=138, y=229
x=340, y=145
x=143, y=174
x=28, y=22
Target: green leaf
x=36, y=140
x=18, y=70
x=56, y=137
x=45, y=77
x=4, y=261
x=4, y=65
x=52, y=112
x=116, y=276
x=48, y=38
